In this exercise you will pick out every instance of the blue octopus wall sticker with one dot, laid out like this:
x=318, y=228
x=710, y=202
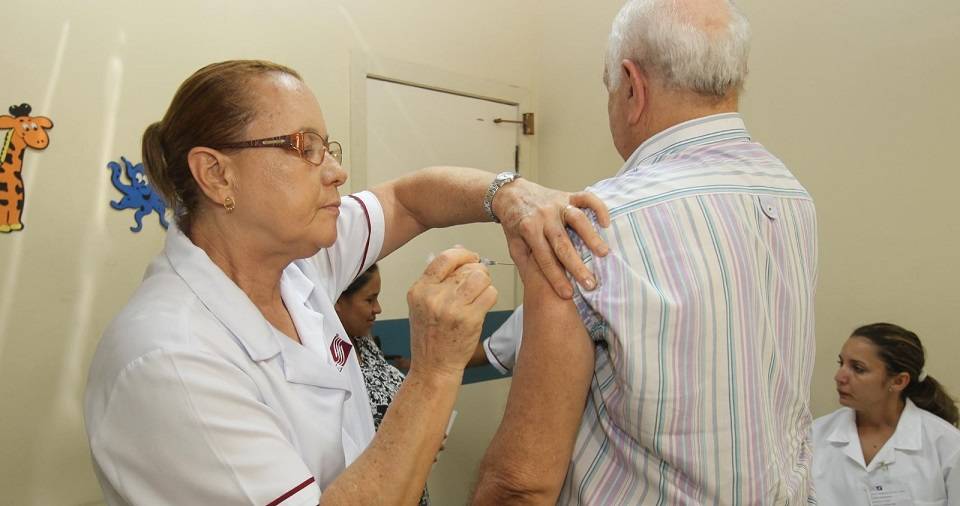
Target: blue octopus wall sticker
x=138, y=194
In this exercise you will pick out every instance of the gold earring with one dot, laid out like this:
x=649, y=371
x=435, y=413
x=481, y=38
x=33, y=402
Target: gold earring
x=229, y=204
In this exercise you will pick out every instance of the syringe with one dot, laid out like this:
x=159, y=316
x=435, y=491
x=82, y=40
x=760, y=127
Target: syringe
x=483, y=260
x=488, y=261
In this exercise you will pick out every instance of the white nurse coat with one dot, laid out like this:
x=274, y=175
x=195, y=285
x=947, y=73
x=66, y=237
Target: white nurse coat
x=194, y=398
x=921, y=460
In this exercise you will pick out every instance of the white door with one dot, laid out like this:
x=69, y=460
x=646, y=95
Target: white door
x=408, y=128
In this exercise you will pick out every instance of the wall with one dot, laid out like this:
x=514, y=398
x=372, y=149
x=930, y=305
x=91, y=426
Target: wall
x=859, y=99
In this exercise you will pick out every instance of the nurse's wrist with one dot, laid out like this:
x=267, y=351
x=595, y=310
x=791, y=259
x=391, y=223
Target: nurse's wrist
x=438, y=375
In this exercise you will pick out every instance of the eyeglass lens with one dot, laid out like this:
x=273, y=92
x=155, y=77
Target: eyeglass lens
x=313, y=148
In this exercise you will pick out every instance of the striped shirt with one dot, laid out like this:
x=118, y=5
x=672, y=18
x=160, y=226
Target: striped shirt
x=704, y=324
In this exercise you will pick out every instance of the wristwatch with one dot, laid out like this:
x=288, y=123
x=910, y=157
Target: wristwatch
x=501, y=179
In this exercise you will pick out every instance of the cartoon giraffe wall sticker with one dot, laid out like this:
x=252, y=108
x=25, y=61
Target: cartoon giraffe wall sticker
x=23, y=131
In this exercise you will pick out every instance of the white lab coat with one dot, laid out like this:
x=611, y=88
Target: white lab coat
x=194, y=398
x=922, y=458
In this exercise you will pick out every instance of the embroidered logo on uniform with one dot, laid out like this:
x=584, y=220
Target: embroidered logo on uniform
x=340, y=350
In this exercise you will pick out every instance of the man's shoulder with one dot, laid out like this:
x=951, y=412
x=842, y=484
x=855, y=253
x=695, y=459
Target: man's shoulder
x=734, y=169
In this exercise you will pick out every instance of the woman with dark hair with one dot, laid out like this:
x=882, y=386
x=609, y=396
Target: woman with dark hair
x=896, y=438
x=358, y=307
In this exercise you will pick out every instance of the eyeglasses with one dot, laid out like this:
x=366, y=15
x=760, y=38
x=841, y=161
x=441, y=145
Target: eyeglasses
x=311, y=146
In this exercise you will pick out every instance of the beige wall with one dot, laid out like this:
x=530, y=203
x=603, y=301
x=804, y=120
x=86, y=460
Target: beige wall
x=857, y=97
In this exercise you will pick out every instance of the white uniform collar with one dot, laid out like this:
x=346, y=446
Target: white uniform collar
x=695, y=132
x=225, y=300
x=908, y=435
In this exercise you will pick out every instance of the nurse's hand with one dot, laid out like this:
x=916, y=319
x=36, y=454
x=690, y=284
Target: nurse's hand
x=447, y=307
x=538, y=216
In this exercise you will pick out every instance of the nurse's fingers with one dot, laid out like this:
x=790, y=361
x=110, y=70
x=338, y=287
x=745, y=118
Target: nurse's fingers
x=486, y=299
x=472, y=284
x=447, y=262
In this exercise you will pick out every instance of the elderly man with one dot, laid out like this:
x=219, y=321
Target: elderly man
x=684, y=378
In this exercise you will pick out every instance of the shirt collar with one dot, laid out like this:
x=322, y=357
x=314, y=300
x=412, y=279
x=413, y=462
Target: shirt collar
x=296, y=286
x=225, y=300
x=846, y=430
x=908, y=435
x=695, y=132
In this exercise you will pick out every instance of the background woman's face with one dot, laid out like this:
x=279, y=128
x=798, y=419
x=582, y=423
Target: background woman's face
x=359, y=310
x=289, y=203
x=862, y=378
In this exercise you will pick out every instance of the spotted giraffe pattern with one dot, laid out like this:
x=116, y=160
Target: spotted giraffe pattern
x=23, y=132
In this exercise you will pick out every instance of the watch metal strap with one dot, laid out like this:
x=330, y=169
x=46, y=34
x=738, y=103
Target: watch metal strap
x=498, y=181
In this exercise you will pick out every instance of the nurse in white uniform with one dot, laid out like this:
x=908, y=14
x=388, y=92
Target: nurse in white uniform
x=228, y=378
x=895, y=441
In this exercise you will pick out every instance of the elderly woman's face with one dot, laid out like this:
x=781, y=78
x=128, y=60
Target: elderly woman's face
x=290, y=203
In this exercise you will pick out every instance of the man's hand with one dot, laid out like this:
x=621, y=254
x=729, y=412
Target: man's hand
x=539, y=216
x=447, y=307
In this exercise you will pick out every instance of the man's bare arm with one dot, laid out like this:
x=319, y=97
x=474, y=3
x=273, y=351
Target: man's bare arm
x=528, y=458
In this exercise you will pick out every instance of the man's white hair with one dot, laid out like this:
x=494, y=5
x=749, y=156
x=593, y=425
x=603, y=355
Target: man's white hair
x=663, y=40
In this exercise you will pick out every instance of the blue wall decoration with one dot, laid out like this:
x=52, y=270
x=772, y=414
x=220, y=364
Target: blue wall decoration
x=137, y=195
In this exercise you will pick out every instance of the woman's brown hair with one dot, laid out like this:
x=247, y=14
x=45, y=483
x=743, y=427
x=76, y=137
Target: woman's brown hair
x=210, y=108
x=901, y=351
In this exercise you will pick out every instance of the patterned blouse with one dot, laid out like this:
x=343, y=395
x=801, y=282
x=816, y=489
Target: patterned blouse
x=383, y=380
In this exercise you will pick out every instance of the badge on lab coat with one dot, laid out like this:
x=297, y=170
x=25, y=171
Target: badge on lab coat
x=889, y=493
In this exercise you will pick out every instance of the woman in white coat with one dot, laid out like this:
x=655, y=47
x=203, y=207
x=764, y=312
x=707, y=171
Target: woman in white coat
x=895, y=441
x=228, y=378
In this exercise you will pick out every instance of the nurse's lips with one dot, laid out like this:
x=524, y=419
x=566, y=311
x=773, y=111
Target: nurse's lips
x=333, y=208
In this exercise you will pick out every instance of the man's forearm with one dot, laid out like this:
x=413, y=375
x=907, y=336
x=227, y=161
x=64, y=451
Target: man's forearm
x=529, y=455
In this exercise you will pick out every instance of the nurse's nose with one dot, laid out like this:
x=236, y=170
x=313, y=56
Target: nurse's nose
x=333, y=173
x=840, y=377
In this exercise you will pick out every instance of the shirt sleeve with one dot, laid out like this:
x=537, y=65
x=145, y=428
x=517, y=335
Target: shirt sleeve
x=360, y=232
x=503, y=345
x=593, y=321
x=188, y=428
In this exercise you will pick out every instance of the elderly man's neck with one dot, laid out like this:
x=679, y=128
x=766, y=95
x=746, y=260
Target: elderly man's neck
x=672, y=107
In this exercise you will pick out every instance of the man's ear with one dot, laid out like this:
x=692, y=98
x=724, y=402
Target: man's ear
x=211, y=172
x=636, y=83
